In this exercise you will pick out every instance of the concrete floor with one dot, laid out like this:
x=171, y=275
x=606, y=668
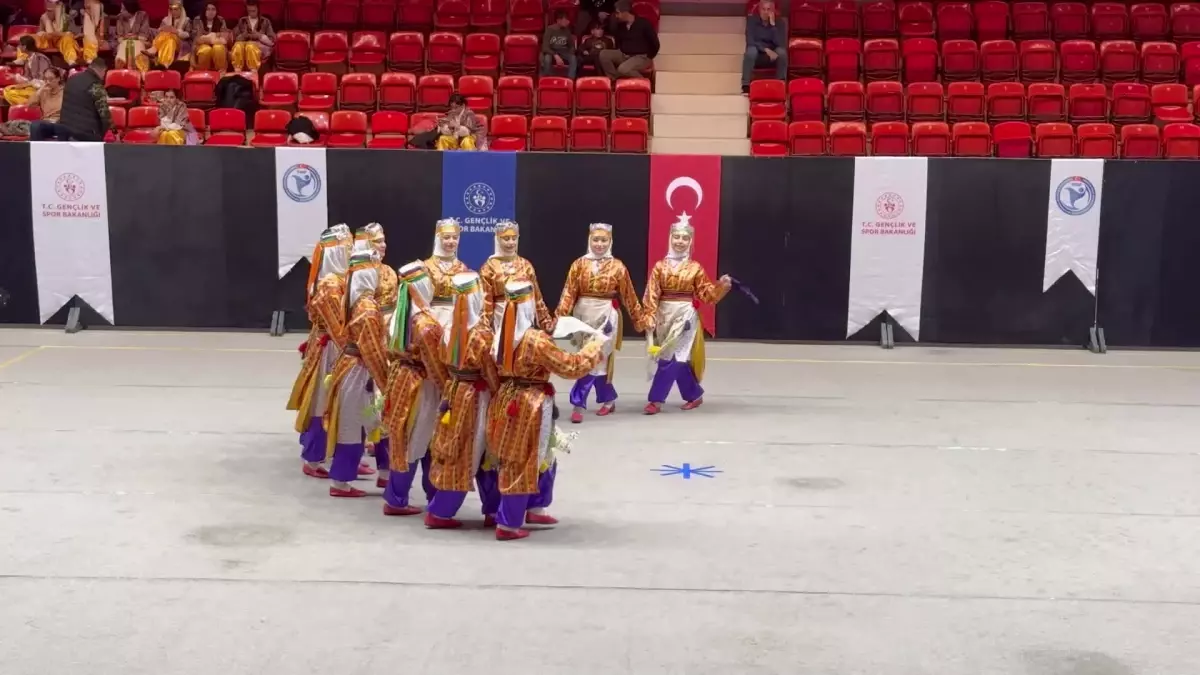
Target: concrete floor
x=923, y=511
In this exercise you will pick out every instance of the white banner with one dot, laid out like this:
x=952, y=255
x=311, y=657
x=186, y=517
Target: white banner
x=70, y=226
x=301, y=198
x=887, y=241
x=1073, y=220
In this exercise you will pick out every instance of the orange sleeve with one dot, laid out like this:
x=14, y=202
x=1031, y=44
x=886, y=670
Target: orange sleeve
x=629, y=298
x=371, y=344
x=431, y=354
x=545, y=320
x=562, y=363
x=706, y=291
x=570, y=293
x=487, y=364
x=650, y=299
x=327, y=305
x=487, y=275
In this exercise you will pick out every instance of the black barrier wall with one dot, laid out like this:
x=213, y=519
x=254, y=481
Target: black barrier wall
x=192, y=239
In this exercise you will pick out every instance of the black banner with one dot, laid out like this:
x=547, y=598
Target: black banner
x=18, y=275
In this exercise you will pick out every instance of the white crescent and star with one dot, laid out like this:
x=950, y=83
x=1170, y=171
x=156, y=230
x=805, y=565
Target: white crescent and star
x=687, y=182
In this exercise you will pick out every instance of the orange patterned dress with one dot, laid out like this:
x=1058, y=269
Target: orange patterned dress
x=441, y=274
x=458, y=445
x=364, y=358
x=591, y=295
x=519, y=418
x=325, y=314
x=414, y=386
x=385, y=292
x=495, y=274
x=673, y=294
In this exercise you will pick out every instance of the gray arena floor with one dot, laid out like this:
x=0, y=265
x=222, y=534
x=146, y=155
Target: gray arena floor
x=923, y=511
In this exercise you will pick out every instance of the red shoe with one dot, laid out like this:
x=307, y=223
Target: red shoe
x=576, y=417
x=365, y=470
x=510, y=535
x=389, y=510
x=318, y=472
x=606, y=410
x=434, y=523
x=692, y=405
x=351, y=492
x=540, y=519
x=652, y=409
x=489, y=521
x=381, y=483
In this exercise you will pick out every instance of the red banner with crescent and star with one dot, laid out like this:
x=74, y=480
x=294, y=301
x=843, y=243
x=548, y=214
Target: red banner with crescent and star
x=687, y=187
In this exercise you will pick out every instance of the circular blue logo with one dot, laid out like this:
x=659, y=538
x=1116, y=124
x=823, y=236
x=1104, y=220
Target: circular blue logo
x=479, y=198
x=301, y=183
x=1075, y=195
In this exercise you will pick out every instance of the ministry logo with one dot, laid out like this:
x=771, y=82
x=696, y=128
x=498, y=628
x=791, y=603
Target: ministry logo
x=1075, y=196
x=69, y=187
x=301, y=183
x=479, y=198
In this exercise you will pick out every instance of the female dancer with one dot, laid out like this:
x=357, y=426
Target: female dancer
x=505, y=266
x=442, y=266
x=590, y=295
x=371, y=235
x=676, y=287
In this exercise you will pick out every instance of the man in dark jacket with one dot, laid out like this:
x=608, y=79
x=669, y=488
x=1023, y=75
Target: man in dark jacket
x=766, y=44
x=637, y=45
x=85, y=113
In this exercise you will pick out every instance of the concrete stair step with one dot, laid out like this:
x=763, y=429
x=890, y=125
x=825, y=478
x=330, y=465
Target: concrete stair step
x=699, y=126
x=700, y=146
x=702, y=43
x=702, y=63
x=700, y=104
x=702, y=24
x=698, y=83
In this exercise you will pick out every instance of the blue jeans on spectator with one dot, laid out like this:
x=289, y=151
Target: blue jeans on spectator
x=42, y=130
x=757, y=58
x=569, y=57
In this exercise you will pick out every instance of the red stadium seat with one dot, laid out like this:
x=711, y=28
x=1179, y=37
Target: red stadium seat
x=555, y=96
x=1185, y=23
x=1039, y=61
x=806, y=99
x=433, y=93
x=916, y=19
x=971, y=139
x=848, y=139
x=342, y=14
x=841, y=19
x=521, y=54
x=1191, y=63
x=1149, y=22
x=768, y=138
x=415, y=15
x=200, y=89
x=1047, y=102
x=885, y=101
x=1181, y=141
x=631, y=97
x=318, y=92
x=589, y=134
x=160, y=80
x=1080, y=61
x=806, y=18
x=421, y=122
x=648, y=10
x=1070, y=21
x=931, y=139
x=273, y=9
x=293, y=48
x=571, y=7
x=805, y=57
x=842, y=59
x=231, y=10
x=398, y=91
x=141, y=124
x=303, y=14
x=630, y=134
x=925, y=101
x=347, y=129
x=998, y=61
x=991, y=20
x=1130, y=103
x=33, y=114
x=768, y=100
x=1012, y=139
x=846, y=101
x=1169, y=103
x=445, y=53
x=1160, y=62
x=1006, y=101
x=593, y=96
x=368, y=49
x=960, y=60
x=1119, y=61
x=509, y=132
x=879, y=19
x=526, y=16
x=452, y=15
x=406, y=52
x=1055, y=139
x=1087, y=103
x=1140, y=141
x=479, y=92
x=1110, y=21
x=358, y=91
x=881, y=59
x=489, y=16
x=965, y=102
x=227, y=127
x=954, y=22
x=514, y=95
x=889, y=139
x=1030, y=21
x=481, y=54
x=379, y=15
x=920, y=60
x=389, y=129
x=129, y=80
x=17, y=112
x=1097, y=141
x=270, y=128
x=807, y=138
x=320, y=120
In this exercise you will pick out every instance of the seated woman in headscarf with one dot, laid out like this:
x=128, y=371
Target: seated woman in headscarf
x=130, y=35
x=253, y=39
x=56, y=32
x=35, y=65
x=459, y=129
x=211, y=37
x=174, y=125
x=48, y=98
x=174, y=39
x=93, y=29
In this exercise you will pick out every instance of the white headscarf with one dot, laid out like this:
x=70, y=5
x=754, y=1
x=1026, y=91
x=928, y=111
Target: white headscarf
x=417, y=279
x=518, y=318
x=334, y=260
x=681, y=225
x=502, y=227
x=364, y=275
x=592, y=230
x=445, y=225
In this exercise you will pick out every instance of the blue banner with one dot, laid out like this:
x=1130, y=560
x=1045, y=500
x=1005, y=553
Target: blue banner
x=480, y=189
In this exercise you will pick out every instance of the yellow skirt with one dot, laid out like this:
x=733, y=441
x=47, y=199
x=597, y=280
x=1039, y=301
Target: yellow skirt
x=211, y=57
x=19, y=94
x=166, y=47
x=247, y=56
x=66, y=45
x=172, y=137
x=132, y=53
x=452, y=143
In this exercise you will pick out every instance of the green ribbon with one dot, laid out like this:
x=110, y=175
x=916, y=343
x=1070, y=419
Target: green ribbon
x=399, y=325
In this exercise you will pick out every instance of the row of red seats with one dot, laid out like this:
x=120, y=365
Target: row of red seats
x=1130, y=102
x=919, y=60
x=975, y=139
x=994, y=20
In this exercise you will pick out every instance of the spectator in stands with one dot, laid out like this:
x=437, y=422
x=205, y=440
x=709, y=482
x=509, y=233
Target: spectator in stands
x=174, y=125
x=766, y=44
x=174, y=39
x=558, y=46
x=35, y=65
x=637, y=45
x=254, y=38
x=211, y=36
x=85, y=115
x=459, y=129
x=56, y=32
x=93, y=29
x=591, y=46
x=48, y=99
x=131, y=35
x=593, y=11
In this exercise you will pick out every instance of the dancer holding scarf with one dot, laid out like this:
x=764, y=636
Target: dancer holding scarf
x=371, y=235
x=442, y=266
x=505, y=266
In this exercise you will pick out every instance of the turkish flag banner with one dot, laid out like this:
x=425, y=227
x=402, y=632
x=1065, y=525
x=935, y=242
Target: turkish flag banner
x=687, y=187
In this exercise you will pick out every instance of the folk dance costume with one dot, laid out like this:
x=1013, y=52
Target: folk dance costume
x=676, y=287
x=415, y=382
x=596, y=286
x=506, y=266
x=371, y=236
x=520, y=417
x=442, y=266
x=351, y=416
x=326, y=313
x=458, y=442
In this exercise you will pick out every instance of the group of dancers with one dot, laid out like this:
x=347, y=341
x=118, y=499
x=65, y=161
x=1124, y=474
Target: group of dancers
x=435, y=366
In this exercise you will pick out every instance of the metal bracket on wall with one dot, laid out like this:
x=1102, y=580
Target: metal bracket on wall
x=1096, y=342
x=278, y=327
x=74, y=325
x=887, y=338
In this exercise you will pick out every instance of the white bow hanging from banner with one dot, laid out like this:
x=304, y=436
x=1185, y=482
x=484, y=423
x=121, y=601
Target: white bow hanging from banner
x=301, y=203
x=1073, y=221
